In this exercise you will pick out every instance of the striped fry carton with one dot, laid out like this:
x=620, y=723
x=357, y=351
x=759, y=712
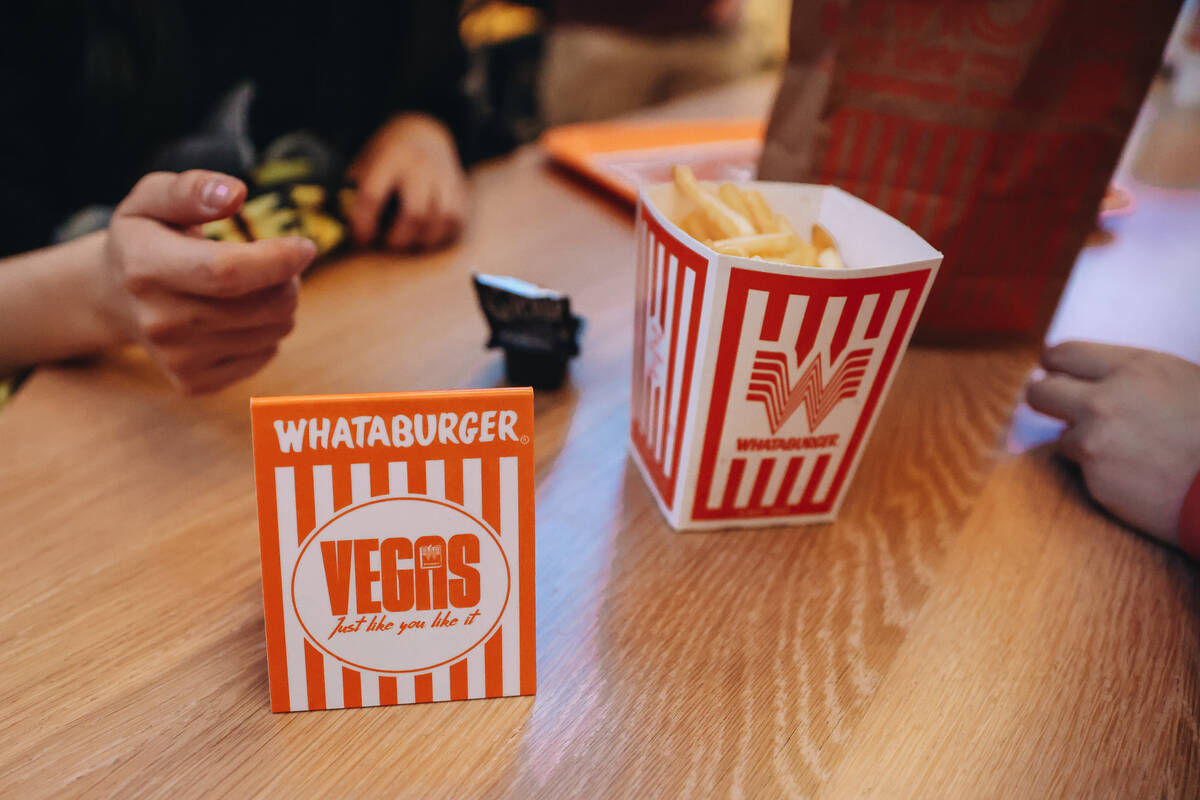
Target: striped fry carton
x=755, y=384
x=397, y=535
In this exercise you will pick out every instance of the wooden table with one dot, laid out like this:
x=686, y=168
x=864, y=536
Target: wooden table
x=970, y=627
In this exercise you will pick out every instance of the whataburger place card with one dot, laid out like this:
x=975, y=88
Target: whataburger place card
x=397, y=536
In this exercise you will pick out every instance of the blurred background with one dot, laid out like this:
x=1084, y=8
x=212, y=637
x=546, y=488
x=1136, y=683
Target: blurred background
x=293, y=105
x=1137, y=280
x=548, y=63
x=556, y=62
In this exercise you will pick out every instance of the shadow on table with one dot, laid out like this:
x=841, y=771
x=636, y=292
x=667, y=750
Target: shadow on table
x=617, y=206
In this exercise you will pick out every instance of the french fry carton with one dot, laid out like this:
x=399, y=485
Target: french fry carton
x=397, y=535
x=756, y=384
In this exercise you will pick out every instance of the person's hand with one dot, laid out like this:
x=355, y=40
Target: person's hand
x=725, y=13
x=209, y=313
x=412, y=157
x=1133, y=426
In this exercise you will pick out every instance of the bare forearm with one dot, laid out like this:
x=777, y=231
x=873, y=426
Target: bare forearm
x=53, y=304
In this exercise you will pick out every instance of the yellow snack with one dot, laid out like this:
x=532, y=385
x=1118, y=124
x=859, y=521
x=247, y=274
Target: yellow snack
x=325, y=231
x=765, y=220
x=830, y=259
x=281, y=170
x=733, y=197
x=804, y=255
x=696, y=226
x=722, y=218
x=266, y=219
x=740, y=222
x=223, y=230
x=821, y=238
x=306, y=195
x=826, y=247
x=761, y=244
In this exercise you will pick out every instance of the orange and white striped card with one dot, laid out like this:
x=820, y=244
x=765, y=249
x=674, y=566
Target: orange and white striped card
x=397, y=536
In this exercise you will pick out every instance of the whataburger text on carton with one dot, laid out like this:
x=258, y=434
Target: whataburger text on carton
x=397, y=546
x=402, y=430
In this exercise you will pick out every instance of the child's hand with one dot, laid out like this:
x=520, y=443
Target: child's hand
x=413, y=156
x=1133, y=425
x=209, y=313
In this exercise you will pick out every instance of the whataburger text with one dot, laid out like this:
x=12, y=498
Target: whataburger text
x=401, y=430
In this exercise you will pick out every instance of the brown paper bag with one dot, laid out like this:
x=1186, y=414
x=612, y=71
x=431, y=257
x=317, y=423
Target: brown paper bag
x=990, y=128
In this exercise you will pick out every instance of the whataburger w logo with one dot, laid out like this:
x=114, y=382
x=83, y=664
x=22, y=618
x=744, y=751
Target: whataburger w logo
x=788, y=341
x=771, y=386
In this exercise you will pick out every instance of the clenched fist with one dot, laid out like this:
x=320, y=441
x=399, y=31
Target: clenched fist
x=412, y=158
x=209, y=313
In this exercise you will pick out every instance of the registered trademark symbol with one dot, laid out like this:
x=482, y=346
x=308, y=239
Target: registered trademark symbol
x=524, y=440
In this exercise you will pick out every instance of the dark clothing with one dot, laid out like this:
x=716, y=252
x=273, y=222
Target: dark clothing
x=91, y=91
x=646, y=17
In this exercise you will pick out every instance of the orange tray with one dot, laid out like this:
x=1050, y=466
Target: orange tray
x=620, y=156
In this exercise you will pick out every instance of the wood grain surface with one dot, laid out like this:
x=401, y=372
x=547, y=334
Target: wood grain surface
x=970, y=626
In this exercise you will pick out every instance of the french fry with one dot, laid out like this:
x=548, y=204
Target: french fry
x=731, y=250
x=802, y=256
x=762, y=244
x=720, y=216
x=830, y=259
x=826, y=247
x=763, y=218
x=731, y=196
x=696, y=225
x=821, y=238
x=740, y=222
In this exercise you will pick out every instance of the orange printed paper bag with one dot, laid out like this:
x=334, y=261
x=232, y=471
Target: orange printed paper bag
x=991, y=129
x=397, y=536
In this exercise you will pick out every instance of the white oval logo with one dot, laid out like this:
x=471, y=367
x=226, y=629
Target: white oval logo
x=401, y=584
